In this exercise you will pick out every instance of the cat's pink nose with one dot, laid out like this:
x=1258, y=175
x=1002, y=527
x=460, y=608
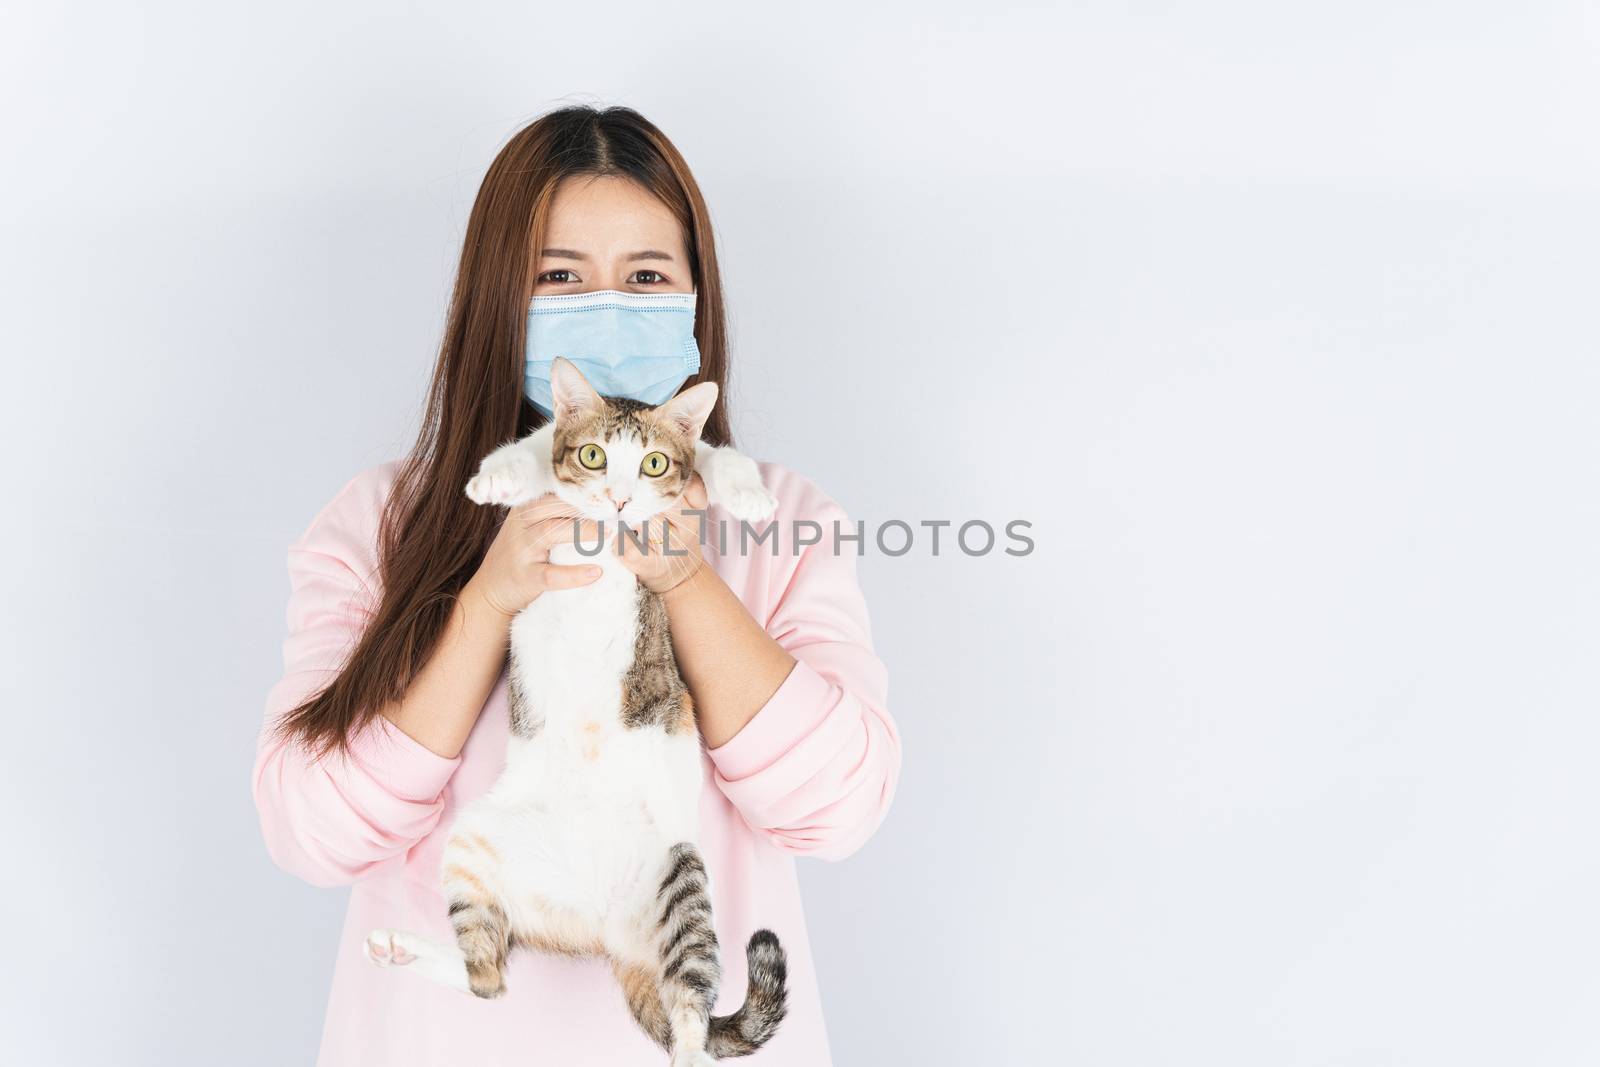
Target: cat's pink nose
x=620, y=503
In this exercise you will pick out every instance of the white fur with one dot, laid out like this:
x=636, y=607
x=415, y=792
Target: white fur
x=520, y=471
x=443, y=963
x=582, y=818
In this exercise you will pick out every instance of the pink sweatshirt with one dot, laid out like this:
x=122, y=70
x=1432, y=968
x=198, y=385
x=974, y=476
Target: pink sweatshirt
x=812, y=774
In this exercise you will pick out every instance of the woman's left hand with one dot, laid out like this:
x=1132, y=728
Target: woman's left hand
x=665, y=566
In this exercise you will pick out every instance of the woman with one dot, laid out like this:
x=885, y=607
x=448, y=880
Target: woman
x=391, y=713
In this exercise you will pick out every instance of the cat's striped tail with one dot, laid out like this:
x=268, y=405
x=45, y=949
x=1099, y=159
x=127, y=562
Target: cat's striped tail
x=765, y=1001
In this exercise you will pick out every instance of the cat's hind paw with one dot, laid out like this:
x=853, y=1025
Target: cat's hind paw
x=693, y=1058
x=387, y=947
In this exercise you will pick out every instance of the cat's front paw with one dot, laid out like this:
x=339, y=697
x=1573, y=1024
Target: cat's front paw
x=386, y=947
x=490, y=486
x=751, y=503
x=733, y=482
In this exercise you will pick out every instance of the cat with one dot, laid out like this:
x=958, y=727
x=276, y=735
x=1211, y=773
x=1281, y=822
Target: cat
x=586, y=843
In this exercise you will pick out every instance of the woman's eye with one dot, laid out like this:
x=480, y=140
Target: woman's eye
x=547, y=277
x=655, y=464
x=660, y=278
x=592, y=456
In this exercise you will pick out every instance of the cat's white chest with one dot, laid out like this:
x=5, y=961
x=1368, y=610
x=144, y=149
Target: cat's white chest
x=571, y=648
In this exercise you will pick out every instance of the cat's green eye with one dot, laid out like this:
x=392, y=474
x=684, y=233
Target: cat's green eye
x=592, y=456
x=655, y=464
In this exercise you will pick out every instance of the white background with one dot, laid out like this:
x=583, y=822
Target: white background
x=1277, y=321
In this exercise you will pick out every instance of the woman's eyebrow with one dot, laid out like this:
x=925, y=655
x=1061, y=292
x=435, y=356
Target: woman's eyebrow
x=567, y=253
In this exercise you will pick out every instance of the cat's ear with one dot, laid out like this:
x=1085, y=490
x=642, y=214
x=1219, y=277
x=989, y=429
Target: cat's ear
x=571, y=390
x=690, y=409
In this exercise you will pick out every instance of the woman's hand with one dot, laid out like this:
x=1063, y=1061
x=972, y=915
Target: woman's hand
x=517, y=567
x=662, y=567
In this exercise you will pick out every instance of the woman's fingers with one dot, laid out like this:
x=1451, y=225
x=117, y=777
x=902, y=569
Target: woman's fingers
x=547, y=533
x=694, y=494
x=687, y=528
x=559, y=577
x=545, y=507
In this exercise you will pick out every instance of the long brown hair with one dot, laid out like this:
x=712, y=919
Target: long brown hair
x=431, y=537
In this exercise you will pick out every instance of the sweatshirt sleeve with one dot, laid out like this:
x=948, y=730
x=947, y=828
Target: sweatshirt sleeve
x=815, y=770
x=336, y=820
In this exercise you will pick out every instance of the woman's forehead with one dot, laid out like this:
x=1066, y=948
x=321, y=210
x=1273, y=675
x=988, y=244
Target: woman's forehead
x=610, y=217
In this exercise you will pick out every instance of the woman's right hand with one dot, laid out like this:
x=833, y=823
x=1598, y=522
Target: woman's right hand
x=517, y=567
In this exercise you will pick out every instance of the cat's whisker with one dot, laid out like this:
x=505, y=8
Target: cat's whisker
x=537, y=861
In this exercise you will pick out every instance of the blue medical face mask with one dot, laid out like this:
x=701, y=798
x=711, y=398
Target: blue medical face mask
x=636, y=345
